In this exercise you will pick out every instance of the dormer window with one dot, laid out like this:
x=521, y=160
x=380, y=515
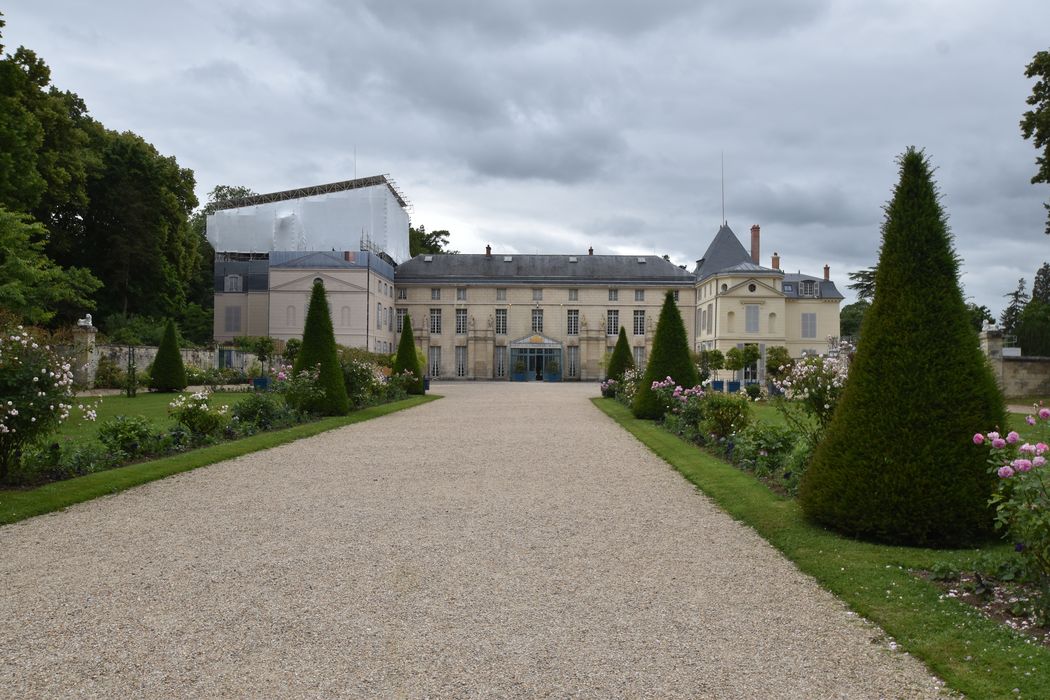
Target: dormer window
x=232, y=283
x=807, y=288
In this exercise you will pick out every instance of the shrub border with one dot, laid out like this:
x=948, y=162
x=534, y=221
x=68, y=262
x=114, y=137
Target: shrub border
x=18, y=505
x=974, y=655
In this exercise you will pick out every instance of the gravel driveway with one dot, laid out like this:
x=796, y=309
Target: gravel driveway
x=509, y=540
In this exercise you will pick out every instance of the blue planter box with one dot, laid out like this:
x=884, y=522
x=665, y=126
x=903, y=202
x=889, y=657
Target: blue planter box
x=261, y=383
x=734, y=387
x=517, y=376
x=426, y=383
x=718, y=385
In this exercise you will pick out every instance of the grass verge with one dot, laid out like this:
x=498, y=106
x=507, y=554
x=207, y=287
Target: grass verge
x=972, y=654
x=17, y=505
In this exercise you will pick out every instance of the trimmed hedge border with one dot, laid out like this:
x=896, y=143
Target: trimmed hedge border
x=18, y=505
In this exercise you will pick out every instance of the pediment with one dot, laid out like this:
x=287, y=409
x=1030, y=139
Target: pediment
x=535, y=340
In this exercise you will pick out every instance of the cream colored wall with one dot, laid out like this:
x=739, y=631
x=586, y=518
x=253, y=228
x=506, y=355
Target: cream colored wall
x=254, y=314
x=481, y=304
x=827, y=311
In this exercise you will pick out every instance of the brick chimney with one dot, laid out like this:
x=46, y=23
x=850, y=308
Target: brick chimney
x=590, y=251
x=756, y=234
x=488, y=251
x=776, y=260
x=827, y=273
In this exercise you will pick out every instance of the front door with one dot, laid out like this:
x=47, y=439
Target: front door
x=536, y=366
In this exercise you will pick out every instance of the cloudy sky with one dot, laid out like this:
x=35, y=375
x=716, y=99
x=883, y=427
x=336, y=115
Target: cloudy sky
x=553, y=125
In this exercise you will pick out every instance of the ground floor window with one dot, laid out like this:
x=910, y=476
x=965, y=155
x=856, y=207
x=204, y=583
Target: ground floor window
x=434, y=361
x=639, y=358
x=501, y=362
x=572, y=364
x=461, y=361
x=400, y=320
x=639, y=322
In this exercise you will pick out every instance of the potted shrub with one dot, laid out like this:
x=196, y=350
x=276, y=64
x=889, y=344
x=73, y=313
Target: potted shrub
x=518, y=373
x=552, y=371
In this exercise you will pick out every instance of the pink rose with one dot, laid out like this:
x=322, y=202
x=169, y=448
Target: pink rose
x=1005, y=472
x=1041, y=447
x=1038, y=461
x=1012, y=437
x=1044, y=413
x=992, y=435
x=998, y=443
x=1021, y=465
x=978, y=439
x=1027, y=448
x=1030, y=420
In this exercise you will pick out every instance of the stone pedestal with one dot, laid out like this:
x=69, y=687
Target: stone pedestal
x=85, y=359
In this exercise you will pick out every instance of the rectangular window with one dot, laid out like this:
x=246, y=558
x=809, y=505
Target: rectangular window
x=402, y=293
x=807, y=288
x=751, y=318
x=676, y=296
x=572, y=363
x=233, y=319
x=501, y=294
x=435, y=321
x=501, y=362
x=435, y=293
x=390, y=318
x=639, y=322
x=232, y=283
x=501, y=322
x=379, y=316
x=574, y=295
x=434, y=361
x=809, y=325
x=612, y=322
x=537, y=295
x=639, y=358
x=710, y=316
x=572, y=322
x=614, y=295
x=537, y=320
x=639, y=295
x=400, y=319
x=461, y=293
x=461, y=321
x=461, y=361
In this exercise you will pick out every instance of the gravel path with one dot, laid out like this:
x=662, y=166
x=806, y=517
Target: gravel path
x=509, y=540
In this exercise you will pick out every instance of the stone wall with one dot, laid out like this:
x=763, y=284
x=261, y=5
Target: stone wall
x=1017, y=375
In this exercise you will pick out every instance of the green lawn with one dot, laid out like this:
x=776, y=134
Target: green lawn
x=974, y=655
x=17, y=505
x=153, y=406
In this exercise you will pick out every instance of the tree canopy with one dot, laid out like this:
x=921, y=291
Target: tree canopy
x=1011, y=315
x=421, y=241
x=1035, y=124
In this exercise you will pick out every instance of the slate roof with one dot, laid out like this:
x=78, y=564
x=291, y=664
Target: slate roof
x=727, y=254
x=324, y=259
x=535, y=269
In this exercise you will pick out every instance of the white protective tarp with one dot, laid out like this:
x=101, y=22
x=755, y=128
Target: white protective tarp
x=331, y=221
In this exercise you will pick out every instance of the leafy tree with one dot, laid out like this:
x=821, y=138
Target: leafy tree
x=1035, y=124
x=670, y=358
x=738, y=359
x=1033, y=329
x=851, y=317
x=407, y=359
x=169, y=374
x=1012, y=313
x=897, y=462
x=319, y=351
x=622, y=359
x=422, y=241
x=708, y=362
x=979, y=315
x=1041, y=287
x=863, y=283
x=202, y=283
x=778, y=362
x=32, y=286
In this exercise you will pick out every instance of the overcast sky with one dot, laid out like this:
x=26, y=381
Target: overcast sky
x=552, y=125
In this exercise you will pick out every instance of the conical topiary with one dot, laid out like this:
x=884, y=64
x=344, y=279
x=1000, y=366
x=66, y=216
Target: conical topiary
x=168, y=374
x=407, y=359
x=670, y=358
x=318, y=351
x=622, y=359
x=897, y=462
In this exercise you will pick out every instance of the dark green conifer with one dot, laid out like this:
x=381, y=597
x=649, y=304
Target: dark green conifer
x=407, y=358
x=897, y=463
x=621, y=359
x=169, y=374
x=318, y=351
x=670, y=358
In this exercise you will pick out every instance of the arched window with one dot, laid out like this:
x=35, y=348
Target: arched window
x=289, y=316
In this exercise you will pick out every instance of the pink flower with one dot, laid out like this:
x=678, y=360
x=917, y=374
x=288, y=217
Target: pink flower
x=1005, y=472
x=1044, y=413
x=978, y=439
x=1030, y=420
x=1021, y=465
x=1012, y=437
x=992, y=435
x=1038, y=461
x=1041, y=447
x=998, y=443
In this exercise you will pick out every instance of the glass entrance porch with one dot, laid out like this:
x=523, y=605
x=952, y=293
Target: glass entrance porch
x=536, y=358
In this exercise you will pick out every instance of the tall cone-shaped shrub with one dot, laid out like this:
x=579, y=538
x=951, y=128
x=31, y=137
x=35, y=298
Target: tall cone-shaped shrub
x=670, y=358
x=318, y=350
x=407, y=359
x=168, y=374
x=897, y=462
x=622, y=359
